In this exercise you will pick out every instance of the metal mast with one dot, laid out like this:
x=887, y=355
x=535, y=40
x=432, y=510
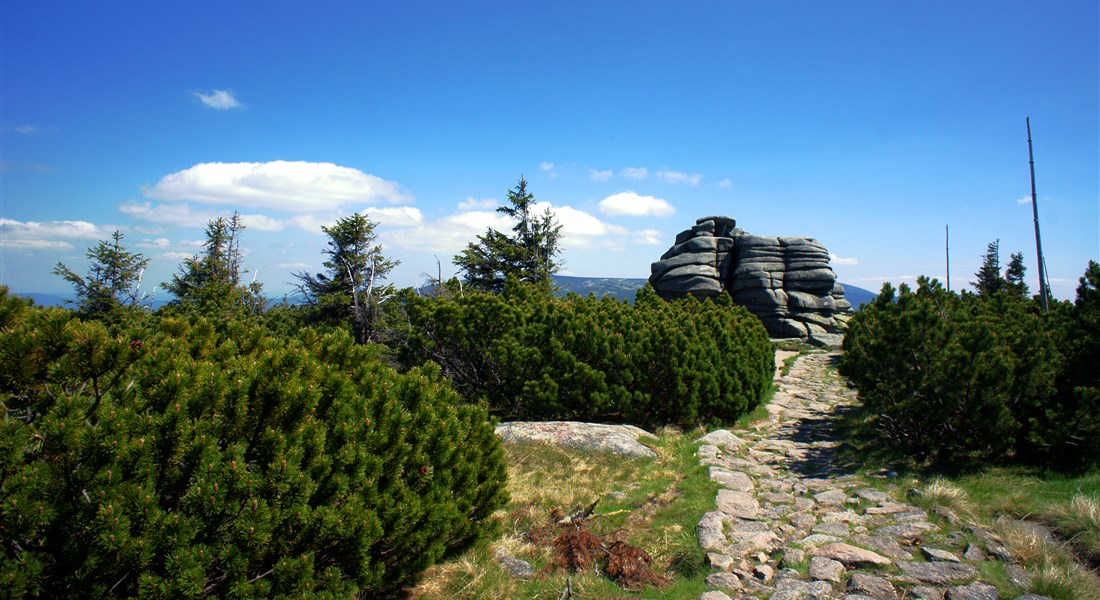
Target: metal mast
x=1035, y=213
x=947, y=249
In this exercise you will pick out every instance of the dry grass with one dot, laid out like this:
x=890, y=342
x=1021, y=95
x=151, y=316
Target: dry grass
x=651, y=504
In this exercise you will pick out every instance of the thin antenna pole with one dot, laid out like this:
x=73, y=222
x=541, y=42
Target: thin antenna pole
x=947, y=239
x=1035, y=213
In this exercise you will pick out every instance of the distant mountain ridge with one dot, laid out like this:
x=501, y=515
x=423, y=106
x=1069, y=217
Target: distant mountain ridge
x=620, y=288
x=626, y=288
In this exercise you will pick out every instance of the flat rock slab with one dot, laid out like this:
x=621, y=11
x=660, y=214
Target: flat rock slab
x=734, y=480
x=850, y=555
x=722, y=438
x=738, y=504
x=938, y=573
x=616, y=439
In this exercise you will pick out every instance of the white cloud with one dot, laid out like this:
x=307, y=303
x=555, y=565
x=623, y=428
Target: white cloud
x=450, y=234
x=292, y=265
x=26, y=129
x=635, y=172
x=836, y=260
x=263, y=223
x=635, y=205
x=725, y=184
x=218, y=100
x=175, y=256
x=670, y=176
x=157, y=243
x=1022, y=200
x=475, y=204
x=396, y=216
x=12, y=230
x=34, y=244
x=647, y=237
x=295, y=186
x=546, y=166
x=603, y=175
x=180, y=215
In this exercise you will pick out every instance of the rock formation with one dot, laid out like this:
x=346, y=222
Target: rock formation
x=786, y=281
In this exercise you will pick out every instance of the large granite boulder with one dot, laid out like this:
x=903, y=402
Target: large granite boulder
x=786, y=281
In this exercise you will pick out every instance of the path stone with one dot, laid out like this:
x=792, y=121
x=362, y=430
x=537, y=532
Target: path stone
x=731, y=480
x=937, y=573
x=936, y=554
x=784, y=499
x=738, y=504
x=869, y=585
x=851, y=555
x=826, y=569
x=974, y=591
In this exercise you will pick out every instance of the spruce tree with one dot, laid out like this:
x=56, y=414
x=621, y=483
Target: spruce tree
x=1014, y=276
x=351, y=289
x=989, y=280
x=530, y=254
x=113, y=282
x=210, y=281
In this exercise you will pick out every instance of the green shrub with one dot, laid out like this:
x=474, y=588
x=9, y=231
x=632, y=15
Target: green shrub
x=178, y=461
x=959, y=380
x=532, y=356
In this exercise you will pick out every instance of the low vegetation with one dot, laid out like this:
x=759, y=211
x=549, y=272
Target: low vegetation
x=532, y=356
x=955, y=381
x=1049, y=522
x=179, y=458
x=650, y=505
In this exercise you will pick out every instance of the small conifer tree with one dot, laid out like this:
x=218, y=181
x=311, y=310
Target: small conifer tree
x=530, y=255
x=113, y=283
x=351, y=289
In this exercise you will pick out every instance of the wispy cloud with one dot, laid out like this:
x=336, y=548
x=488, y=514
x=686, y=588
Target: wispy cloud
x=670, y=176
x=725, y=184
x=12, y=244
x=84, y=230
x=603, y=175
x=475, y=204
x=451, y=233
x=179, y=215
x=218, y=100
x=396, y=216
x=546, y=166
x=635, y=205
x=836, y=260
x=294, y=186
x=27, y=129
x=647, y=237
x=8, y=166
x=635, y=173
x=1023, y=200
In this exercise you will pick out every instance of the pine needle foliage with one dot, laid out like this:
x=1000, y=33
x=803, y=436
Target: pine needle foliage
x=963, y=380
x=179, y=460
x=531, y=356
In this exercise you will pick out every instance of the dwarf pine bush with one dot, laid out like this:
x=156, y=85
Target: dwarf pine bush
x=175, y=461
x=959, y=380
x=532, y=356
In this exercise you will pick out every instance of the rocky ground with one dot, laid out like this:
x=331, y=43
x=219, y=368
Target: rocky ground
x=790, y=523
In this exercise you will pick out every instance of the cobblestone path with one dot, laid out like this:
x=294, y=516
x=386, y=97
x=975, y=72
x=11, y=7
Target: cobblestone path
x=791, y=523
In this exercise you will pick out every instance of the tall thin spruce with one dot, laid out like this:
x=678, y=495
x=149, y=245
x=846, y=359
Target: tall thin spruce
x=1035, y=213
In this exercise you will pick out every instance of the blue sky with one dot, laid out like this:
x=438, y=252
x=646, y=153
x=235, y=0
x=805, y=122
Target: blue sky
x=867, y=125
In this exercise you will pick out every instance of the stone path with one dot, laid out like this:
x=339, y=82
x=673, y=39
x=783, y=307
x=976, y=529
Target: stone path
x=792, y=523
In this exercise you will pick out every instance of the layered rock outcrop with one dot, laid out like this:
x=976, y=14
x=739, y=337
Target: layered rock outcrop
x=786, y=281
